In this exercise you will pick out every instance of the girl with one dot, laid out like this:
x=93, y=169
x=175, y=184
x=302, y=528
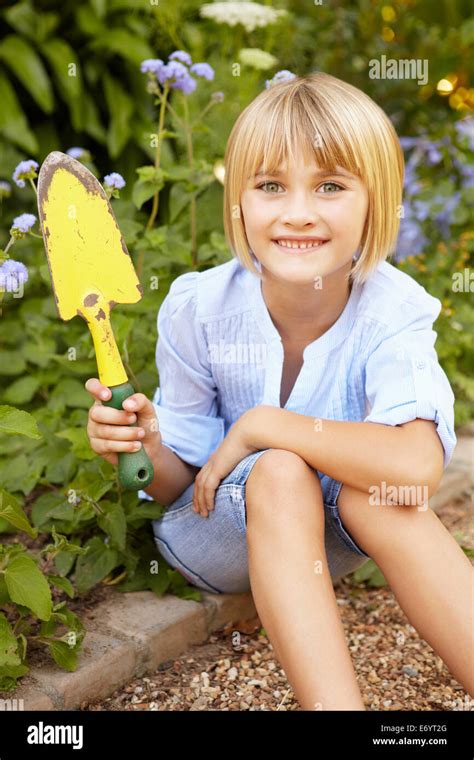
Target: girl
x=301, y=382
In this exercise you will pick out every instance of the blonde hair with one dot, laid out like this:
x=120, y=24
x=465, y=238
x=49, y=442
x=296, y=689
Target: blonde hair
x=335, y=123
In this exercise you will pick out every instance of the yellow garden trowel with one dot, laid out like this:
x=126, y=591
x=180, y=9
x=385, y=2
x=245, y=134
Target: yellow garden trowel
x=91, y=271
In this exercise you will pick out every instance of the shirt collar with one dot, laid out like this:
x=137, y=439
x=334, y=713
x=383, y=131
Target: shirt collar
x=322, y=345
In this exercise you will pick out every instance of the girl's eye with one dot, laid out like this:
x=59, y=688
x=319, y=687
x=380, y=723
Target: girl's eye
x=264, y=184
x=333, y=185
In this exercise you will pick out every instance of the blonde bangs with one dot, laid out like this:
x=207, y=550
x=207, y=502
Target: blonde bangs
x=332, y=123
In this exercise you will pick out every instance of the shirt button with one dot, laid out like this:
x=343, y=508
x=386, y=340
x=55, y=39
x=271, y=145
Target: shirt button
x=421, y=364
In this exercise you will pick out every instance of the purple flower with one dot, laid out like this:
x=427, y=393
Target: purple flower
x=203, y=70
x=186, y=85
x=12, y=273
x=411, y=239
x=425, y=150
x=465, y=128
x=25, y=170
x=180, y=55
x=412, y=184
x=217, y=97
x=75, y=152
x=151, y=65
x=408, y=142
x=177, y=76
x=24, y=222
x=172, y=70
x=280, y=76
x=421, y=210
x=467, y=172
x=444, y=216
x=114, y=180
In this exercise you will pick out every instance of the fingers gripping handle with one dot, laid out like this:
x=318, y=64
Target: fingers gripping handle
x=134, y=467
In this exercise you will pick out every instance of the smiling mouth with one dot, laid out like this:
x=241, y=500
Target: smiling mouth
x=304, y=247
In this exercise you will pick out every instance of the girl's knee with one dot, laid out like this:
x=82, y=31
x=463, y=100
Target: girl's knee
x=277, y=469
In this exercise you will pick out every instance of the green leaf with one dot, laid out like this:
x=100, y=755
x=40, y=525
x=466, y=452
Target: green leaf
x=63, y=655
x=36, y=26
x=44, y=505
x=11, y=510
x=100, y=7
x=64, y=561
x=14, y=126
x=11, y=362
x=95, y=565
x=93, y=484
x=8, y=644
x=26, y=64
x=467, y=32
x=21, y=391
x=87, y=22
x=179, y=199
x=16, y=421
x=62, y=469
x=123, y=43
x=113, y=522
x=369, y=573
x=63, y=583
x=130, y=230
x=121, y=108
x=92, y=122
x=73, y=392
x=4, y=595
x=67, y=70
x=9, y=675
x=80, y=442
x=28, y=586
x=143, y=191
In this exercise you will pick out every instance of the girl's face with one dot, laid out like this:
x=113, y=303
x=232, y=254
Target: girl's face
x=304, y=202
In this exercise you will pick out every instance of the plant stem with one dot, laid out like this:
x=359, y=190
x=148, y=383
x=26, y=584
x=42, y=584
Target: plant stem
x=9, y=244
x=33, y=186
x=154, y=209
x=192, y=213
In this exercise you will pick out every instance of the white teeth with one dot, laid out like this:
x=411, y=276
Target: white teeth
x=298, y=246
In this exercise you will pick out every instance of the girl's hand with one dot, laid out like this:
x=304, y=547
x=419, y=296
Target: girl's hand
x=110, y=430
x=235, y=446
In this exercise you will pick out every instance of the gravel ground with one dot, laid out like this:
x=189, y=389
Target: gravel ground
x=237, y=668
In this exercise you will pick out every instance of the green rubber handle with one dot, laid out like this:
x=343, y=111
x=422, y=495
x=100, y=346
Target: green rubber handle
x=134, y=467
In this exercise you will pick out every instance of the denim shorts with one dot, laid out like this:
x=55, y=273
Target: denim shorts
x=211, y=552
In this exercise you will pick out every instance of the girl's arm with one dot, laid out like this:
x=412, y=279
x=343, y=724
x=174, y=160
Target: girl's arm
x=172, y=475
x=360, y=454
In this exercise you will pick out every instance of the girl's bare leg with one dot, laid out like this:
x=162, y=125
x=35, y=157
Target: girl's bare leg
x=291, y=584
x=428, y=572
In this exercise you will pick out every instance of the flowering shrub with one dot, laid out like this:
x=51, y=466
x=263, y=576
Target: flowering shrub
x=101, y=540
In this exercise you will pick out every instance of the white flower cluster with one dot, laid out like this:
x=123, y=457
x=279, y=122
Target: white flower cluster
x=250, y=15
x=257, y=59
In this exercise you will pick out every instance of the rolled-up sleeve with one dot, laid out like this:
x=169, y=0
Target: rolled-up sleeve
x=186, y=399
x=403, y=378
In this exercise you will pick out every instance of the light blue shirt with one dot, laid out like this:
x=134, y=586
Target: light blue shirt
x=219, y=354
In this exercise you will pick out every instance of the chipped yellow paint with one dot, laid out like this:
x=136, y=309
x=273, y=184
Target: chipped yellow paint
x=109, y=362
x=89, y=263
